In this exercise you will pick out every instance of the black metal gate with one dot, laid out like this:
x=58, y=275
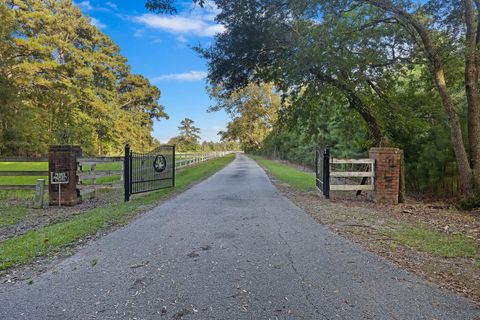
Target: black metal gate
x=322, y=171
x=145, y=172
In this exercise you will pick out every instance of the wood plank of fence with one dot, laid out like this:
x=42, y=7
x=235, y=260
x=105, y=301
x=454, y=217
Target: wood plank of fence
x=84, y=175
x=18, y=187
x=94, y=160
x=352, y=161
x=351, y=187
x=23, y=159
x=346, y=174
x=99, y=186
x=23, y=173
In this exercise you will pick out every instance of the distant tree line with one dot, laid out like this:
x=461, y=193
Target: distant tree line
x=189, y=140
x=63, y=81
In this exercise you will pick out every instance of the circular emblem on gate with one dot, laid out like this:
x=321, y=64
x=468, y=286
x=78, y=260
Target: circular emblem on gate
x=160, y=163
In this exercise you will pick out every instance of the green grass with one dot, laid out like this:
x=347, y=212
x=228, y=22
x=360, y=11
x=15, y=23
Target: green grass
x=21, y=166
x=11, y=215
x=437, y=243
x=295, y=178
x=24, y=248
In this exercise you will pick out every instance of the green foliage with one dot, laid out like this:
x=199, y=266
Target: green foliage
x=68, y=84
x=24, y=248
x=470, y=202
x=253, y=109
x=167, y=6
x=208, y=146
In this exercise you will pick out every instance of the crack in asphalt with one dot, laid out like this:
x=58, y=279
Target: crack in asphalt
x=289, y=256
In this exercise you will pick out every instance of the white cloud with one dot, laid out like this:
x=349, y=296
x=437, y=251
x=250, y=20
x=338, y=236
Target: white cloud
x=187, y=76
x=208, y=12
x=180, y=25
x=112, y=5
x=97, y=23
x=85, y=5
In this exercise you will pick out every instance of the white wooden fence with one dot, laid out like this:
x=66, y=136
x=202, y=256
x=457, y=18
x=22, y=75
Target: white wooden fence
x=354, y=172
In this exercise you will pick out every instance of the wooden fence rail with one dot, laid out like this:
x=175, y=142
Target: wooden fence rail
x=23, y=159
x=21, y=174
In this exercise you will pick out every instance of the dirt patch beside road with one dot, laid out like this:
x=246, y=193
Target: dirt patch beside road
x=37, y=218
x=375, y=227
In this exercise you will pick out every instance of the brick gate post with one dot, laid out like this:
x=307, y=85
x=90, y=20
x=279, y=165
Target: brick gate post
x=62, y=168
x=388, y=175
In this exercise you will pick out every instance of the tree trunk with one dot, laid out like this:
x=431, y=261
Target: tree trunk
x=471, y=90
x=464, y=169
x=358, y=105
x=436, y=66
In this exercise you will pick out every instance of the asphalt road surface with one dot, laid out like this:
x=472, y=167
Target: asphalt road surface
x=229, y=248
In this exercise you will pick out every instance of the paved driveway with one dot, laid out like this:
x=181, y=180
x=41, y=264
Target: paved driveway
x=230, y=248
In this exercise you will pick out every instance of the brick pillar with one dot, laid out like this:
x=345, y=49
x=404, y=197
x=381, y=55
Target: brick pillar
x=388, y=166
x=62, y=161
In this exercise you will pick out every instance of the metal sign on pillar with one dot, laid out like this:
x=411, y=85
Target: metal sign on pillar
x=59, y=178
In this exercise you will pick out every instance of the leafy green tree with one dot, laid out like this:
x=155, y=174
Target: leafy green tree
x=253, y=109
x=72, y=83
x=189, y=137
x=14, y=121
x=437, y=27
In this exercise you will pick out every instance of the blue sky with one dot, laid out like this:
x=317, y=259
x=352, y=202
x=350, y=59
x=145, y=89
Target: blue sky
x=159, y=47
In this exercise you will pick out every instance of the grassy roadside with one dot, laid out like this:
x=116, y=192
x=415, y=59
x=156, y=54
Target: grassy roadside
x=297, y=179
x=439, y=250
x=419, y=237
x=25, y=248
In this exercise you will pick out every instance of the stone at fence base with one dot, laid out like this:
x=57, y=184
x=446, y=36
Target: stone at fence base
x=388, y=174
x=39, y=192
x=63, y=159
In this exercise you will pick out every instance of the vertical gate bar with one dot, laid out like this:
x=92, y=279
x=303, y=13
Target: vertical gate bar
x=151, y=172
x=147, y=170
x=323, y=170
x=126, y=173
x=137, y=177
x=173, y=164
x=327, y=173
x=316, y=168
x=133, y=169
x=130, y=170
